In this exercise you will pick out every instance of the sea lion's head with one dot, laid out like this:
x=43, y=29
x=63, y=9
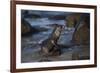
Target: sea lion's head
x=59, y=29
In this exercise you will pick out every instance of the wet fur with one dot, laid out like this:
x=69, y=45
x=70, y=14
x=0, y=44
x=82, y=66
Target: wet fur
x=49, y=46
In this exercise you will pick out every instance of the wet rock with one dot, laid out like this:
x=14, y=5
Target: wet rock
x=81, y=23
x=75, y=56
x=81, y=34
x=81, y=52
x=72, y=19
x=25, y=27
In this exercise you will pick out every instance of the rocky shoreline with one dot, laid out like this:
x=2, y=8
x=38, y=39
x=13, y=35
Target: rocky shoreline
x=73, y=43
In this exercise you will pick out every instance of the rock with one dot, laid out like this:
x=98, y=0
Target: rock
x=75, y=56
x=72, y=19
x=81, y=34
x=81, y=23
x=25, y=27
x=82, y=52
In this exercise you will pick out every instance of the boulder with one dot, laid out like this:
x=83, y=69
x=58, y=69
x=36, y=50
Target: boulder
x=25, y=27
x=72, y=19
x=81, y=34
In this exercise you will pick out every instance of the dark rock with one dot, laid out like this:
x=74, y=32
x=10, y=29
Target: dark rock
x=82, y=52
x=26, y=28
x=72, y=19
x=75, y=56
x=81, y=23
x=84, y=58
x=82, y=33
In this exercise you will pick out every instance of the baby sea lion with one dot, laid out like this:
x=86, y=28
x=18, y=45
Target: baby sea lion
x=49, y=46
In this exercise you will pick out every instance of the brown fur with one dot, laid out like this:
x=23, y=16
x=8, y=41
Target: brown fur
x=49, y=46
